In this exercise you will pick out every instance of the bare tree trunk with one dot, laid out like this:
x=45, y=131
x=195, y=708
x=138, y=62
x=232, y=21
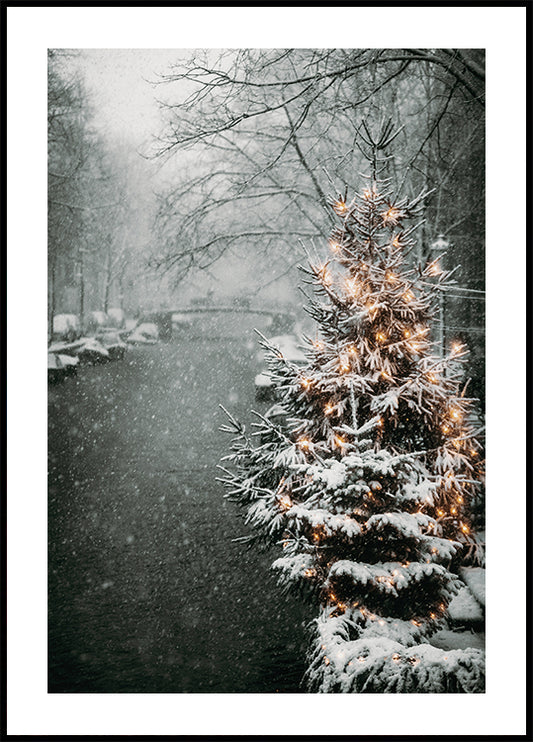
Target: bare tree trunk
x=108, y=280
x=82, y=290
x=52, y=295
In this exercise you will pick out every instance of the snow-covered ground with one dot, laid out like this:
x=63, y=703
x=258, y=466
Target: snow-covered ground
x=448, y=639
x=467, y=614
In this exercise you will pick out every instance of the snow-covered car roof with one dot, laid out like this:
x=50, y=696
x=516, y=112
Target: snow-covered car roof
x=288, y=347
x=90, y=343
x=65, y=322
x=68, y=360
x=54, y=361
x=99, y=317
x=148, y=328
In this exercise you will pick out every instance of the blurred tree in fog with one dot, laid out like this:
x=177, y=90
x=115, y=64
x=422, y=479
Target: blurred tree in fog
x=68, y=153
x=95, y=221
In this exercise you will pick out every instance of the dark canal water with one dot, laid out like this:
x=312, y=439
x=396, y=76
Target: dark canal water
x=147, y=592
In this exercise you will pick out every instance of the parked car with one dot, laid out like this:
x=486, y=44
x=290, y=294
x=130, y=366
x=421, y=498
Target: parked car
x=70, y=363
x=116, y=315
x=146, y=333
x=62, y=347
x=60, y=366
x=112, y=342
x=92, y=351
x=180, y=321
x=94, y=321
x=99, y=318
x=66, y=327
x=289, y=348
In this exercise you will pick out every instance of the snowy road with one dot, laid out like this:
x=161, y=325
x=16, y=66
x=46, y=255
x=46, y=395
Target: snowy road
x=146, y=591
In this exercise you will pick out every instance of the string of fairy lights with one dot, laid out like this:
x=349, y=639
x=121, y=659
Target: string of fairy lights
x=393, y=348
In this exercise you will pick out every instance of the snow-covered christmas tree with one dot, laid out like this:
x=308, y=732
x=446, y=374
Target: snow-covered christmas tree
x=367, y=482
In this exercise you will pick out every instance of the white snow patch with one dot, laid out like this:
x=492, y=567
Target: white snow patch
x=333, y=476
x=464, y=607
x=448, y=639
x=475, y=579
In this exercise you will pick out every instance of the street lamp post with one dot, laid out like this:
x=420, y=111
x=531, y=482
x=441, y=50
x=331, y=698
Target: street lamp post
x=438, y=248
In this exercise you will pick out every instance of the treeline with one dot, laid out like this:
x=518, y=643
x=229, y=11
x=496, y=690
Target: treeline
x=94, y=215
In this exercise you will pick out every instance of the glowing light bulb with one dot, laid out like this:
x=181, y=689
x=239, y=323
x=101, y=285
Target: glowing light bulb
x=304, y=443
x=351, y=286
x=392, y=215
x=344, y=365
x=369, y=193
x=457, y=348
x=352, y=350
x=381, y=337
x=305, y=382
x=334, y=245
x=408, y=295
x=328, y=409
x=465, y=528
x=340, y=206
x=326, y=277
x=339, y=441
x=391, y=277
x=434, y=269
x=285, y=502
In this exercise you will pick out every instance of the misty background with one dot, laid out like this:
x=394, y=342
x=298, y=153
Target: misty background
x=187, y=174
